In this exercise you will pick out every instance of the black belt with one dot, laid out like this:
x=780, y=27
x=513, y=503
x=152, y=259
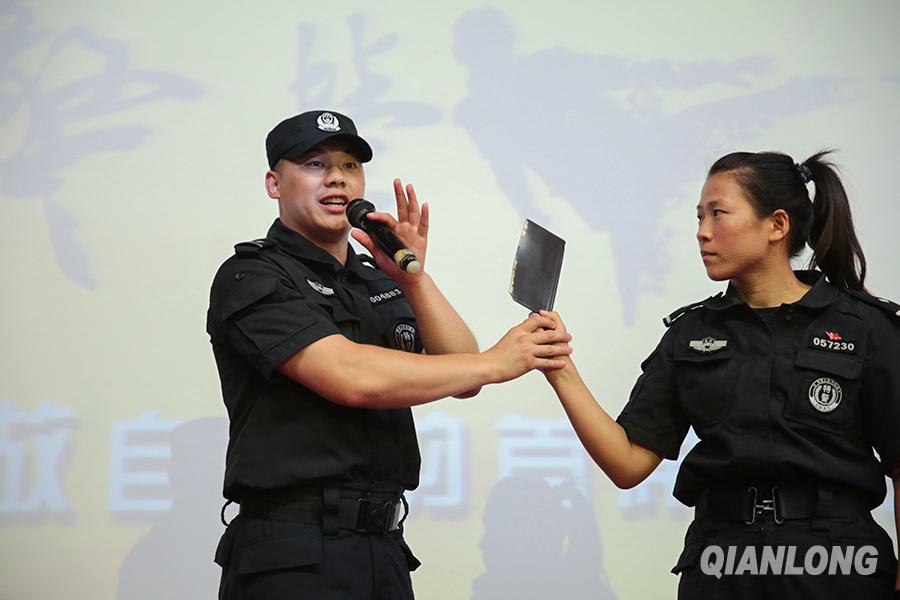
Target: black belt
x=782, y=502
x=361, y=513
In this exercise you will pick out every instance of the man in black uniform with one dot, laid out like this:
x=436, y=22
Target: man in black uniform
x=321, y=353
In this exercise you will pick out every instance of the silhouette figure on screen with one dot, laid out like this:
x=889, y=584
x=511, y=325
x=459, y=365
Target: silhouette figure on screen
x=172, y=560
x=540, y=541
x=595, y=127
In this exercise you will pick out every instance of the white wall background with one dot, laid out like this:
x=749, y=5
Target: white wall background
x=132, y=159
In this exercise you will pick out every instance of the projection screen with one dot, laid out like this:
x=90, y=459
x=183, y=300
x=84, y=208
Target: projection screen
x=132, y=160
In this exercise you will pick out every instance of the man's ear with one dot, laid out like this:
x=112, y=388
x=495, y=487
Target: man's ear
x=272, y=188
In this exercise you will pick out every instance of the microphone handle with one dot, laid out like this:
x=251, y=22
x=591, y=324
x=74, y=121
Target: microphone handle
x=403, y=257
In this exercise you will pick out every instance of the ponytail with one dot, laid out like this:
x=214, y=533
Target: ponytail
x=836, y=249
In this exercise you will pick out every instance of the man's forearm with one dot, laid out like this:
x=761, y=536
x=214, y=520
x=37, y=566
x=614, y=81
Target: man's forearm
x=368, y=376
x=442, y=329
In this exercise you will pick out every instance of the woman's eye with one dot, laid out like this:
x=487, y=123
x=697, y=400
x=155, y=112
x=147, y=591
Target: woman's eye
x=716, y=212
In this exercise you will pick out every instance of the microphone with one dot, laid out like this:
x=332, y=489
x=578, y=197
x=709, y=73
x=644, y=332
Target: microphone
x=357, y=212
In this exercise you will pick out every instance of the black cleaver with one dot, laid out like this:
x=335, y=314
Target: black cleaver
x=536, y=268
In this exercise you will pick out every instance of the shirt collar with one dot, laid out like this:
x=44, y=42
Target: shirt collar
x=296, y=244
x=821, y=294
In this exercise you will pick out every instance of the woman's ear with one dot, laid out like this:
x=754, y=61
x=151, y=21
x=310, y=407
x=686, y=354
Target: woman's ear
x=781, y=225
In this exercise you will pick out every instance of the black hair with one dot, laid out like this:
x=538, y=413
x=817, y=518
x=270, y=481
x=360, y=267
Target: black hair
x=772, y=181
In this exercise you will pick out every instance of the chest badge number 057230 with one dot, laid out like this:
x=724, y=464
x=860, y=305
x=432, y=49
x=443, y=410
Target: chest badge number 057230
x=825, y=394
x=832, y=343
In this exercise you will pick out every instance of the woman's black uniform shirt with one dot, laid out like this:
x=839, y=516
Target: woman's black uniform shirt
x=273, y=298
x=798, y=394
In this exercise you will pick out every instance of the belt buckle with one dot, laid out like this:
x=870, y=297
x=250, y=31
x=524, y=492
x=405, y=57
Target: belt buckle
x=374, y=516
x=765, y=505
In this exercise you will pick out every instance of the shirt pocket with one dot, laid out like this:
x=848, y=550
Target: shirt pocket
x=707, y=385
x=824, y=392
x=346, y=321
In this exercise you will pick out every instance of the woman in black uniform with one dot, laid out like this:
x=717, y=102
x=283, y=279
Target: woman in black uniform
x=789, y=379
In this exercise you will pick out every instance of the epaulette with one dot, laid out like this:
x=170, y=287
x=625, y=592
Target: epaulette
x=252, y=248
x=674, y=316
x=882, y=303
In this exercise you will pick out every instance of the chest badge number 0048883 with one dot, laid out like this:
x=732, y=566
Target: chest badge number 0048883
x=825, y=394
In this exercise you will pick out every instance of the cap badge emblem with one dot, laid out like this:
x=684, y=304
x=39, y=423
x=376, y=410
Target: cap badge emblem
x=825, y=394
x=708, y=345
x=328, y=122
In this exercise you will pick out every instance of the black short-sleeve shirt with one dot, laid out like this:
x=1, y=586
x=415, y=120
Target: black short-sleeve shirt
x=273, y=298
x=798, y=393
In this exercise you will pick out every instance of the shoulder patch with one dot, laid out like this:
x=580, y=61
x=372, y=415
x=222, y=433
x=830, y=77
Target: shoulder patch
x=254, y=247
x=675, y=315
x=882, y=303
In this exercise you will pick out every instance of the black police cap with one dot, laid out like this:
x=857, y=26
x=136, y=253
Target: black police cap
x=297, y=135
